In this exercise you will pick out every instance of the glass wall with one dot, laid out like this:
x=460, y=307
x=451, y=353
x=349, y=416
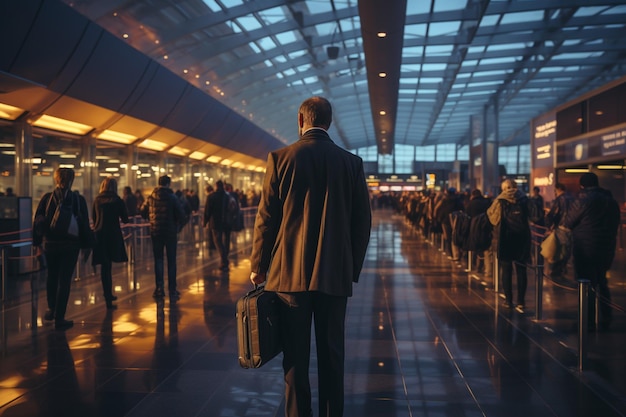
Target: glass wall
x=7, y=159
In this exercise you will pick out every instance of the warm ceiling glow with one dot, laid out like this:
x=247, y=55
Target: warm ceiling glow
x=56, y=123
x=9, y=112
x=117, y=137
x=611, y=167
x=177, y=150
x=226, y=161
x=154, y=145
x=213, y=159
x=197, y=155
x=576, y=170
x=237, y=165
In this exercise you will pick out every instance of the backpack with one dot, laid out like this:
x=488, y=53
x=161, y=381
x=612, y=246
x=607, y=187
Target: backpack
x=460, y=228
x=63, y=222
x=230, y=213
x=515, y=217
x=480, y=233
x=514, y=237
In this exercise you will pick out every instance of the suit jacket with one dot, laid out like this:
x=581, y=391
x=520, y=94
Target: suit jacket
x=313, y=223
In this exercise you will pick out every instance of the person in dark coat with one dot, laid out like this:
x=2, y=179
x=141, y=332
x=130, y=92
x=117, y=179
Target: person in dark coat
x=130, y=200
x=167, y=217
x=594, y=219
x=449, y=204
x=214, y=217
x=477, y=205
x=108, y=210
x=512, y=241
x=558, y=211
x=310, y=237
x=61, y=251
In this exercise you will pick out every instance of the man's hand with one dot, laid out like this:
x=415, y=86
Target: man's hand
x=257, y=279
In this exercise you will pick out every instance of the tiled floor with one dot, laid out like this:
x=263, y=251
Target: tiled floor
x=424, y=338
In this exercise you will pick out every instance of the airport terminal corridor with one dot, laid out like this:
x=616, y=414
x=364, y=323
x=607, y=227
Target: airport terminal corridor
x=424, y=337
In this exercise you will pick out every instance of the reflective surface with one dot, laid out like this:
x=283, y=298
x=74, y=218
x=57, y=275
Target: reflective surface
x=424, y=338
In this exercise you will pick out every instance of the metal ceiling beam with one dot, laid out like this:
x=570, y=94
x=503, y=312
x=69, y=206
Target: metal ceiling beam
x=383, y=55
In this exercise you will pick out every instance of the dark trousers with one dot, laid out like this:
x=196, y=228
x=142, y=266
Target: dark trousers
x=222, y=242
x=61, y=263
x=159, y=243
x=106, y=276
x=328, y=314
x=506, y=275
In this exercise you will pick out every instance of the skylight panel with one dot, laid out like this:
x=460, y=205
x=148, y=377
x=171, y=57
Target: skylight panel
x=267, y=43
x=254, y=47
x=438, y=50
x=588, y=11
x=417, y=7
x=327, y=28
x=490, y=20
x=573, y=55
x=311, y=80
x=431, y=79
x=615, y=10
x=446, y=5
x=350, y=24
x=522, y=17
x=503, y=60
x=507, y=47
x=319, y=6
x=443, y=28
x=296, y=54
x=249, y=22
x=289, y=72
x=410, y=67
x=273, y=15
x=285, y=38
x=434, y=67
x=233, y=26
x=212, y=4
x=413, y=51
x=415, y=31
x=232, y=3
x=407, y=80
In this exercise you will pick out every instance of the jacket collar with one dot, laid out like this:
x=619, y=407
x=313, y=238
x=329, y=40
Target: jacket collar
x=316, y=133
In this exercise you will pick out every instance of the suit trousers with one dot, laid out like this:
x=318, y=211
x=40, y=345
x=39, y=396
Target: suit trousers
x=506, y=275
x=297, y=312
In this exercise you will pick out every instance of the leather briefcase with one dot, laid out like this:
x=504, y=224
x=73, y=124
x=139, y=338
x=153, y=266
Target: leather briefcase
x=258, y=330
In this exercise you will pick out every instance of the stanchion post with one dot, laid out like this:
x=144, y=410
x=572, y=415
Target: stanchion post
x=583, y=323
x=469, y=260
x=539, y=293
x=3, y=271
x=496, y=272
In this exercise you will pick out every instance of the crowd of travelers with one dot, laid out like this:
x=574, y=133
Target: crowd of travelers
x=511, y=228
x=62, y=230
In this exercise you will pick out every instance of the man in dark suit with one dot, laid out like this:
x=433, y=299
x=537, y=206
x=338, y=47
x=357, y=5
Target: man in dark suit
x=310, y=237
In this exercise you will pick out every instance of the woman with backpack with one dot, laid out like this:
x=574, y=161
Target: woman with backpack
x=509, y=214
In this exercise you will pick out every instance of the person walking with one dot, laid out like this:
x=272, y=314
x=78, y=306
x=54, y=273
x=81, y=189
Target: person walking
x=215, y=218
x=108, y=210
x=554, y=218
x=310, y=237
x=509, y=214
x=61, y=249
x=167, y=217
x=130, y=200
x=594, y=219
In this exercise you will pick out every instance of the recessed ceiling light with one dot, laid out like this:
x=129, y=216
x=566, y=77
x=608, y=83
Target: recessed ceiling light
x=382, y=74
x=382, y=34
x=382, y=112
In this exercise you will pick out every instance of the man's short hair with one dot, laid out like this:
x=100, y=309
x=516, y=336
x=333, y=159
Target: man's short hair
x=477, y=193
x=560, y=186
x=165, y=181
x=219, y=184
x=317, y=111
x=588, y=179
x=536, y=189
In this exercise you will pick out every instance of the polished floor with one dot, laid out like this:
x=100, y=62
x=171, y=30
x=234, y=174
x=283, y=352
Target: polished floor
x=424, y=337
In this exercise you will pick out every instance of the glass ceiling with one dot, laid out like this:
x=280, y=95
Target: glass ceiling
x=262, y=58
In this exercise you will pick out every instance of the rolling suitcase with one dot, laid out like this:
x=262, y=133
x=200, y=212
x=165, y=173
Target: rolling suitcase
x=258, y=332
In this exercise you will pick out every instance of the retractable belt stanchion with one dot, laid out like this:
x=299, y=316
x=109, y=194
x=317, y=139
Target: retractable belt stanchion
x=583, y=323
